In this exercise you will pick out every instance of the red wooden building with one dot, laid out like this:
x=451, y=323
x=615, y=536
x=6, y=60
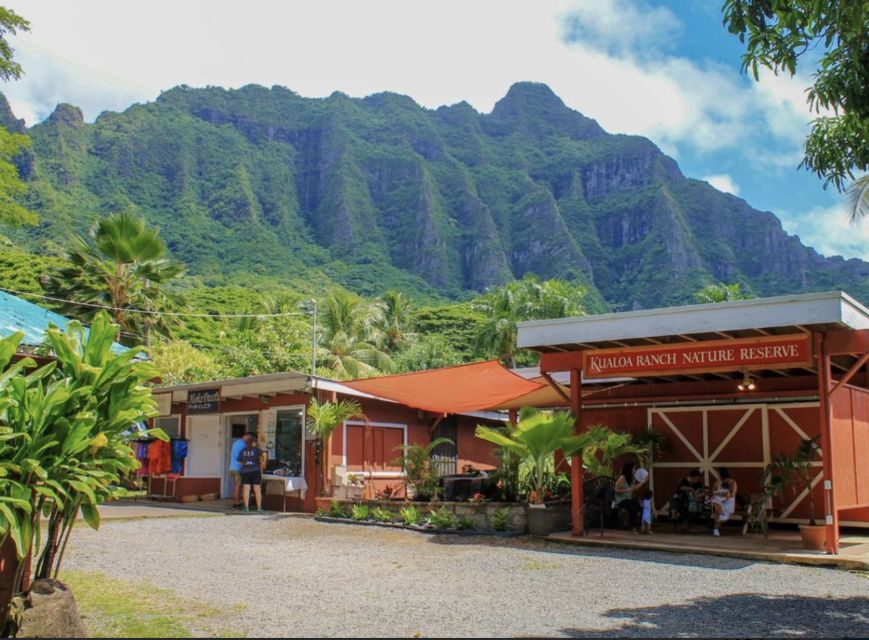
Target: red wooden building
x=731, y=384
x=210, y=416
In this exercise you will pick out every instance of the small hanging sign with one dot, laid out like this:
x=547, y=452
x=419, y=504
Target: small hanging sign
x=203, y=401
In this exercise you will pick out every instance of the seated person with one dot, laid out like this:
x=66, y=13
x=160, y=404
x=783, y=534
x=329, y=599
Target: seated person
x=687, y=497
x=723, y=499
x=625, y=496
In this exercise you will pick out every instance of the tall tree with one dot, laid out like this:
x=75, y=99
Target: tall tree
x=351, y=336
x=778, y=35
x=123, y=265
x=720, y=292
x=11, y=143
x=397, y=321
x=525, y=299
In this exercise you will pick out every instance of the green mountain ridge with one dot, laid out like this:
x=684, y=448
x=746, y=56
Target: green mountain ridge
x=258, y=184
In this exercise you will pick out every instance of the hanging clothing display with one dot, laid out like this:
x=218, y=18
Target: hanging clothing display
x=179, y=453
x=159, y=458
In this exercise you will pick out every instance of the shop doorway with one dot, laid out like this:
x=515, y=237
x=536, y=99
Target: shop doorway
x=235, y=426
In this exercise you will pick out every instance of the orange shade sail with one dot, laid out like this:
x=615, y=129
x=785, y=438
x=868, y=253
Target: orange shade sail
x=468, y=387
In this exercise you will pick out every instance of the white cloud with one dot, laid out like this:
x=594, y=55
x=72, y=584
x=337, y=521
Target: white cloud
x=620, y=26
x=723, y=182
x=828, y=231
x=609, y=59
x=602, y=56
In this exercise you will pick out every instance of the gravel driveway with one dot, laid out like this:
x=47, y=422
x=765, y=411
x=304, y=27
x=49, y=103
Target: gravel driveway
x=289, y=576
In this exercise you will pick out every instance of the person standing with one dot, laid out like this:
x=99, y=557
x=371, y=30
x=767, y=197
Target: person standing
x=235, y=470
x=251, y=459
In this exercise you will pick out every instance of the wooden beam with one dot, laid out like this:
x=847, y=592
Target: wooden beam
x=563, y=361
x=826, y=419
x=577, y=524
x=557, y=387
x=846, y=342
x=850, y=372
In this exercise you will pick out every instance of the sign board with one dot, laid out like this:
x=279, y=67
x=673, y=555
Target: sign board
x=164, y=404
x=270, y=428
x=771, y=352
x=203, y=401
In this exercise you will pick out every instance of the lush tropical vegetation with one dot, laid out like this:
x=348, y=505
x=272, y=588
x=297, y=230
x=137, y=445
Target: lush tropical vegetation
x=65, y=432
x=323, y=418
x=831, y=36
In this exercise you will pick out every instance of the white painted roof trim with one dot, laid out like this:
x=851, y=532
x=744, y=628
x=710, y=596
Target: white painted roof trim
x=832, y=307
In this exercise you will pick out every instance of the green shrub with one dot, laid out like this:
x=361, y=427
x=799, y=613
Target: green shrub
x=336, y=510
x=360, y=512
x=381, y=515
x=410, y=516
x=499, y=518
x=466, y=523
x=442, y=518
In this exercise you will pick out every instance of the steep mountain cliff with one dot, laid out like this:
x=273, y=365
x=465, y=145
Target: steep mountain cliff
x=380, y=192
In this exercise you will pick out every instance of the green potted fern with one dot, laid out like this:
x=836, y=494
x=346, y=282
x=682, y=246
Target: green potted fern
x=798, y=470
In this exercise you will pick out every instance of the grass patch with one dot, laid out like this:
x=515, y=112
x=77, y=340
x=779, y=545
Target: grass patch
x=115, y=608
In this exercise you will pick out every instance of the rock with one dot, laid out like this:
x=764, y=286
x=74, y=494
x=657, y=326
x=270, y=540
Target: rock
x=51, y=612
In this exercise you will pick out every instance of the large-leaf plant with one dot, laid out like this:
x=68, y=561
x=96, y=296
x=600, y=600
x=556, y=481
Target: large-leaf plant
x=65, y=438
x=534, y=441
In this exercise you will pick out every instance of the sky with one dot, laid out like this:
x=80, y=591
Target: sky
x=667, y=70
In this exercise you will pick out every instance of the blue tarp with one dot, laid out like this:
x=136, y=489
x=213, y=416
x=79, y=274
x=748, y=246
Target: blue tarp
x=17, y=314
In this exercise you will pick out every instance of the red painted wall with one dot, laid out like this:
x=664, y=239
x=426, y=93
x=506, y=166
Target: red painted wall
x=379, y=448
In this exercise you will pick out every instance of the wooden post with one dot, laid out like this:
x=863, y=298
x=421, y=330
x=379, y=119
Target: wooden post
x=825, y=386
x=576, y=515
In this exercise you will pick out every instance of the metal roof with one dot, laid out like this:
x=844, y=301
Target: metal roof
x=17, y=314
x=740, y=318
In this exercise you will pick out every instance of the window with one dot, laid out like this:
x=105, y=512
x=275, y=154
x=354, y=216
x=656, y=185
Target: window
x=170, y=425
x=289, y=439
x=240, y=425
x=381, y=450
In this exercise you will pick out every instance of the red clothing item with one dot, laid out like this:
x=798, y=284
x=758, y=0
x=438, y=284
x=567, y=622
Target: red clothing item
x=159, y=457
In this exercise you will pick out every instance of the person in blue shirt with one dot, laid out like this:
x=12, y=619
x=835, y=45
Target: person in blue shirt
x=235, y=468
x=251, y=459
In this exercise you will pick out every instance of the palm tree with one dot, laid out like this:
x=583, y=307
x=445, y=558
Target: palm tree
x=352, y=337
x=720, y=292
x=858, y=199
x=397, y=321
x=525, y=299
x=122, y=264
x=534, y=441
x=323, y=418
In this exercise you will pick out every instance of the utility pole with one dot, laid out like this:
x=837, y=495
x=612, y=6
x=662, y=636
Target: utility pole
x=314, y=339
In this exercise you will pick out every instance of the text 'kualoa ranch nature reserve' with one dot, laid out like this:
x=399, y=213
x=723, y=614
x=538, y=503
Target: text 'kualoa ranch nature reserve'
x=730, y=354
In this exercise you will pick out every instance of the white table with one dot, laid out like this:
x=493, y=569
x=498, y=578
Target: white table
x=291, y=484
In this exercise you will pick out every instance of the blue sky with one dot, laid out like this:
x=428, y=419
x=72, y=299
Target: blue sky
x=666, y=70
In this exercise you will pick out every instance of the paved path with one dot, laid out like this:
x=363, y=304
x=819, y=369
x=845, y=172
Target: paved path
x=283, y=575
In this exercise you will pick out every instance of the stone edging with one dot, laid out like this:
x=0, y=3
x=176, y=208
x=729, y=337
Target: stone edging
x=418, y=529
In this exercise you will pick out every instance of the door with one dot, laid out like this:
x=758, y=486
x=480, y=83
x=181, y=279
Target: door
x=205, y=455
x=234, y=427
x=445, y=455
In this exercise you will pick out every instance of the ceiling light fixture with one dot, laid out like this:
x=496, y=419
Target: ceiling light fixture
x=747, y=383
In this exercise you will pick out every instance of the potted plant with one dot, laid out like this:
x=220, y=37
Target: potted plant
x=323, y=419
x=534, y=441
x=799, y=470
x=421, y=476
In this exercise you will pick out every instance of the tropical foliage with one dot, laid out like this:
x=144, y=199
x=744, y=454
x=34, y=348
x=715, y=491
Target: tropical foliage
x=525, y=299
x=352, y=336
x=533, y=442
x=65, y=432
x=799, y=470
x=122, y=265
x=832, y=36
x=421, y=473
x=720, y=292
x=323, y=418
